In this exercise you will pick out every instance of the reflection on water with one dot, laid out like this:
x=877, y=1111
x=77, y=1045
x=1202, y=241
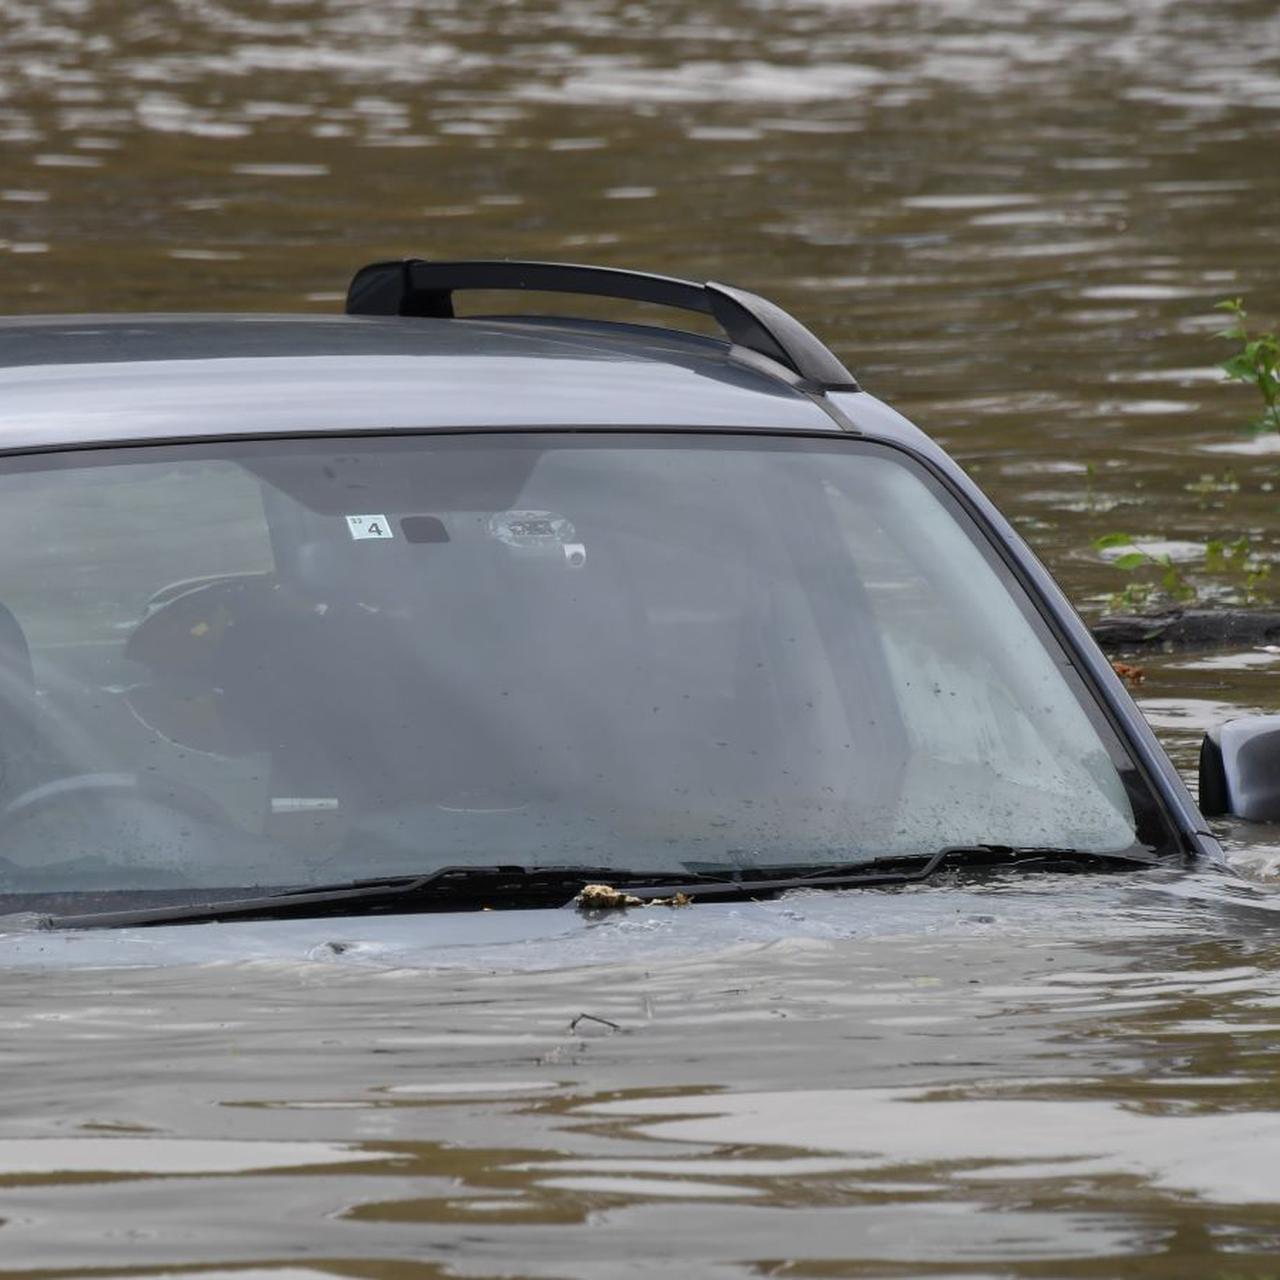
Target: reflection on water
x=986, y=1103
x=1010, y=219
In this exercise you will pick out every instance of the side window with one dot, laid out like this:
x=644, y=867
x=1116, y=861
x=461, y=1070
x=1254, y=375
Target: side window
x=84, y=550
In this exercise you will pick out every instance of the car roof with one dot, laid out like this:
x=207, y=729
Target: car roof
x=94, y=379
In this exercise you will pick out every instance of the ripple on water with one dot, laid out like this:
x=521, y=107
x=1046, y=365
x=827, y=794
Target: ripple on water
x=1229, y=1158
x=33, y=1158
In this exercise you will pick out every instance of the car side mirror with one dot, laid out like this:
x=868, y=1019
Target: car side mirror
x=1240, y=769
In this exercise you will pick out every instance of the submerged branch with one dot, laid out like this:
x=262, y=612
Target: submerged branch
x=1175, y=629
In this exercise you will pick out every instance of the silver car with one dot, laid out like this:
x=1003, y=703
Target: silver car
x=400, y=612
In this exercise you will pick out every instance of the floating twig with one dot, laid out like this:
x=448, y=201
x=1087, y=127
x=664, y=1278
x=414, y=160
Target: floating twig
x=591, y=1017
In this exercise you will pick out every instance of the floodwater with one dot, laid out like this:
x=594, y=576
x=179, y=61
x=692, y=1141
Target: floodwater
x=1013, y=221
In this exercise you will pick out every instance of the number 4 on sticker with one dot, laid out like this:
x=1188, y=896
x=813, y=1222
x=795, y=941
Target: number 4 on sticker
x=369, y=527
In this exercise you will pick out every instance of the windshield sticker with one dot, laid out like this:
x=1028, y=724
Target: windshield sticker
x=530, y=530
x=369, y=527
x=539, y=533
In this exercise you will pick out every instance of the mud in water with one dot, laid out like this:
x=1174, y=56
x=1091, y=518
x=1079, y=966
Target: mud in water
x=1011, y=220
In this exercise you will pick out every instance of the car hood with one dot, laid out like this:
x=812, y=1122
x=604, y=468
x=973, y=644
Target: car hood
x=529, y=940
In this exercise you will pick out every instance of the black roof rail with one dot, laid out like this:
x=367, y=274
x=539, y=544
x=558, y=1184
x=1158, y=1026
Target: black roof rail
x=414, y=287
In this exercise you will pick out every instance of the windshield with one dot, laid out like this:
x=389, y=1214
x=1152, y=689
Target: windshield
x=294, y=662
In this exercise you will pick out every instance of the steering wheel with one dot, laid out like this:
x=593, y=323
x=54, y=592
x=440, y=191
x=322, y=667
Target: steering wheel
x=179, y=798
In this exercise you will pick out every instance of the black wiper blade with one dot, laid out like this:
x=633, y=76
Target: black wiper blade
x=747, y=883
x=469, y=888
x=1046, y=857
x=1024, y=857
x=909, y=869
x=444, y=889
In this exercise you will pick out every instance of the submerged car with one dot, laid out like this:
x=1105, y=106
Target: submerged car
x=400, y=611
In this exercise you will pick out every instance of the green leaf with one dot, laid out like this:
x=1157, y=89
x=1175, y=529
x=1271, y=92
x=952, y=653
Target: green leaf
x=1113, y=540
x=1240, y=368
x=1134, y=560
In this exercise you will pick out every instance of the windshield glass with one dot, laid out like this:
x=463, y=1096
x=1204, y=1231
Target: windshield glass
x=281, y=663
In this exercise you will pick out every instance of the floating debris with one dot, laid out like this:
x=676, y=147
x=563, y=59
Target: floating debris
x=591, y=1017
x=604, y=897
x=1177, y=629
x=1128, y=672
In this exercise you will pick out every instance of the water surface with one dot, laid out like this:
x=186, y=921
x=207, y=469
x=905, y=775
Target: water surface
x=1011, y=220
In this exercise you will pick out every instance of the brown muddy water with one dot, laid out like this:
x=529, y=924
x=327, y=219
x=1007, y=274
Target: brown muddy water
x=1012, y=221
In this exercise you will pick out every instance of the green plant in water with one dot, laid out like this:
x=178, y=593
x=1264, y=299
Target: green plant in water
x=1209, y=484
x=1156, y=579
x=1235, y=559
x=1135, y=596
x=1257, y=363
x=1172, y=582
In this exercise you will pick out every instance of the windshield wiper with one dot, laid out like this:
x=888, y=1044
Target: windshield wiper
x=1023, y=857
x=464, y=888
x=472, y=888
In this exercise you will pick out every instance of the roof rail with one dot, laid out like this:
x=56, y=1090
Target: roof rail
x=414, y=287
